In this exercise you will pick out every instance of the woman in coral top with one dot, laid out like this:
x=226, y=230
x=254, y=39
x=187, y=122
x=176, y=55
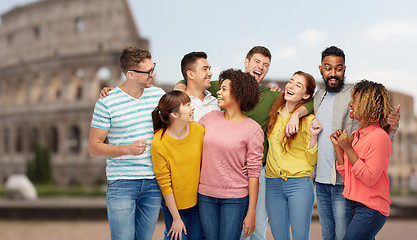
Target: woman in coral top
x=362, y=160
x=227, y=197
x=176, y=157
x=290, y=160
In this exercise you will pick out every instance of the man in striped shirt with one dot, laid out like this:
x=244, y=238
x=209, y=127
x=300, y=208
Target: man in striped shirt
x=124, y=118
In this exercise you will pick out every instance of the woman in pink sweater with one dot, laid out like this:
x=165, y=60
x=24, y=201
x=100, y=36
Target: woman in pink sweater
x=227, y=197
x=362, y=160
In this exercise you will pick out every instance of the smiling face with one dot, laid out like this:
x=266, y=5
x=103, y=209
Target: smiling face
x=185, y=113
x=224, y=97
x=295, y=90
x=201, y=74
x=257, y=66
x=143, y=79
x=352, y=105
x=332, y=70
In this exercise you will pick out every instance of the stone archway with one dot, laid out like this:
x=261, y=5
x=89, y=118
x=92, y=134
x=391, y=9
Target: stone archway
x=36, y=90
x=54, y=88
x=74, y=140
x=75, y=86
x=53, y=139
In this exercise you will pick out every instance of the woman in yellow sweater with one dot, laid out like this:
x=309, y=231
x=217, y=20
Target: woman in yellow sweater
x=176, y=157
x=290, y=160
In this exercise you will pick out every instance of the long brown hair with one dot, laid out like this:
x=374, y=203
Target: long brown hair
x=280, y=102
x=169, y=103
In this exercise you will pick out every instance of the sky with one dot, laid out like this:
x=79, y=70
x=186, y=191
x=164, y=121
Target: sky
x=378, y=37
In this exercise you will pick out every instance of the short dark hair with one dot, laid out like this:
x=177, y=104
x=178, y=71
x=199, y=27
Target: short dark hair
x=132, y=56
x=188, y=62
x=333, y=51
x=244, y=88
x=259, y=49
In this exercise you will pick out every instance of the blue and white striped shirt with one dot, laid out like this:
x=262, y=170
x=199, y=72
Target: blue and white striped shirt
x=128, y=119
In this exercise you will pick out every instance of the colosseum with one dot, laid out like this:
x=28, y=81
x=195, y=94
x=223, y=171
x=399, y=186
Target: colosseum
x=55, y=56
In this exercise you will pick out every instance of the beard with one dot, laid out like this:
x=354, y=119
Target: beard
x=336, y=88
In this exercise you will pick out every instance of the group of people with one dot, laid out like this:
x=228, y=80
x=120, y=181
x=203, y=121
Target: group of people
x=224, y=157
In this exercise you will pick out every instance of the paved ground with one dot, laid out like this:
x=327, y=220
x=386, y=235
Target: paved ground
x=88, y=230
x=402, y=223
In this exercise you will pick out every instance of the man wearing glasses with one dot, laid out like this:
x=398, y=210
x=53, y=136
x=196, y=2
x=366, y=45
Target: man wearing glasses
x=124, y=118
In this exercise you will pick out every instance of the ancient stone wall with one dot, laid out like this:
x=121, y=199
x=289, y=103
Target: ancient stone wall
x=55, y=56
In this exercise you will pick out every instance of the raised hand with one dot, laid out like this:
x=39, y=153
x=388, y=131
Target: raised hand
x=315, y=127
x=345, y=140
x=334, y=137
x=394, y=117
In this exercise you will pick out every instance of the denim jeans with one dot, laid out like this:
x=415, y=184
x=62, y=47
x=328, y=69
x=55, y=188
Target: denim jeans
x=191, y=219
x=222, y=218
x=363, y=222
x=261, y=223
x=290, y=203
x=331, y=207
x=132, y=208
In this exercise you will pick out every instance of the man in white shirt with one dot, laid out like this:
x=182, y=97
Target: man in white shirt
x=196, y=72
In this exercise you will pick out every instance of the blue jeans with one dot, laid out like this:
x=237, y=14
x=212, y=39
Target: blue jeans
x=191, y=219
x=290, y=203
x=222, y=218
x=363, y=222
x=331, y=206
x=132, y=208
x=261, y=218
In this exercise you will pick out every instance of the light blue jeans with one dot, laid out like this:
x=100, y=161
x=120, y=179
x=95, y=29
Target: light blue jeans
x=132, y=208
x=364, y=223
x=290, y=204
x=261, y=217
x=331, y=206
x=222, y=218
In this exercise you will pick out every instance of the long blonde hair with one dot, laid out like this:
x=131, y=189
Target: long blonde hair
x=280, y=102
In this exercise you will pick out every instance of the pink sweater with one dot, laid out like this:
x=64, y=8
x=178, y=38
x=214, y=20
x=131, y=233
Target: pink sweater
x=367, y=181
x=227, y=147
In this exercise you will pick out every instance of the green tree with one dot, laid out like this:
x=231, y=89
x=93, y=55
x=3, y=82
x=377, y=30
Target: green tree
x=39, y=168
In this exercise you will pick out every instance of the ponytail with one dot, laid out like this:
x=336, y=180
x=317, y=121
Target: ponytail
x=168, y=104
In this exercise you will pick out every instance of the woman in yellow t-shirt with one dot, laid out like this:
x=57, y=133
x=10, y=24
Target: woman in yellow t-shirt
x=176, y=157
x=290, y=160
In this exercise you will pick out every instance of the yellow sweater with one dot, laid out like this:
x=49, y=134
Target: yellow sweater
x=299, y=160
x=176, y=163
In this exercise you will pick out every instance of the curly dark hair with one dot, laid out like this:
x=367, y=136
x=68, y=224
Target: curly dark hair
x=244, y=88
x=373, y=102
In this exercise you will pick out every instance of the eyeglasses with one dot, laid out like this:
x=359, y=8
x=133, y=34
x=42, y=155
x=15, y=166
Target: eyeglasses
x=150, y=72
